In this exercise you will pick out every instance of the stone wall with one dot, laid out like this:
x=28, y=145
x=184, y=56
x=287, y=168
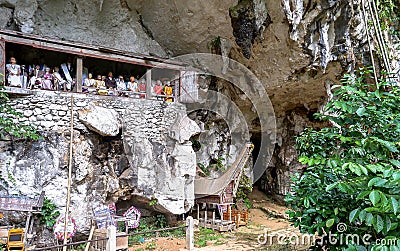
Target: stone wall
x=128, y=151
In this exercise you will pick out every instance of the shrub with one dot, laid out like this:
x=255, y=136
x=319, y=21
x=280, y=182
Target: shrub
x=352, y=173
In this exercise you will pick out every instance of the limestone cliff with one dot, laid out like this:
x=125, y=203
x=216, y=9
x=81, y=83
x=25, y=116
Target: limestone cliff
x=296, y=48
x=125, y=151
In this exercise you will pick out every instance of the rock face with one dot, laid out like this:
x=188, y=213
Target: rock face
x=295, y=48
x=249, y=19
x=145, y=164
x=105, y=122
x=98, y=22
x=185, y=26
x=163, y=168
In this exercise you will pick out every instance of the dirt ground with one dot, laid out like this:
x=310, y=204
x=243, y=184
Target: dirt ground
x=265, y=216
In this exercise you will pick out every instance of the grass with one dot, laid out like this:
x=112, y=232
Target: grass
x=153, y=223
x=205, y=235
x=151, y=246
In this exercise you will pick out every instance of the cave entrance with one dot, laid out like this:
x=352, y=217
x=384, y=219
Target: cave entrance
x=255, y=139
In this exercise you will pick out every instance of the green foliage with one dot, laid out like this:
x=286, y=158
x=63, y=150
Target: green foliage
x=121, y=226
x=215, y=45
x=204, y=169
x=153, y=202
x=388, y=12
x=218, y=166
x=10, y=180
x=353, y=169
x=81, y=247
x=49, y=213
x=9, y=125
x=244, y=189
x=205, y=235
x=151, y=246
x=153, y=223
x=196, y=145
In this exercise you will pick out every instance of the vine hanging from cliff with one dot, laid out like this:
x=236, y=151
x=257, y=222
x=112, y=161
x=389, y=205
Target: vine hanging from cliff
x=9, y=124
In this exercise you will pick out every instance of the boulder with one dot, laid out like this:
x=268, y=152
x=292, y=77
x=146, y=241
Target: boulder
x=184, y=129
x=104, y=121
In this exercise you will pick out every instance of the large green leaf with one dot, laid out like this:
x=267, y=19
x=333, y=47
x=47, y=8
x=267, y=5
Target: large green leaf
x=378, y=223
x=354, y=214
x=374, y=197
x=395, y=205
x=330, y=222
x=361, y=111
x=377, y=181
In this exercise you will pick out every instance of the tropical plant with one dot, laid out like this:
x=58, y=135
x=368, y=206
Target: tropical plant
x=49, y=213
x=350, y=186
x=244, y=189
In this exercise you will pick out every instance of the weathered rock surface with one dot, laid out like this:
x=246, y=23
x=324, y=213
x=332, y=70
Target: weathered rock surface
x=295, y=48
x=185, y=26
x=105, y=122
x=249, y=19
x=144, y=164
x=163, y=168
x=103, y=23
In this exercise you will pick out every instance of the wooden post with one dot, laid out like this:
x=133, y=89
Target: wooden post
x=27, y=227
x=3, y=59
x=90, y=236
x=198, y=212
x=31, y=226
x=230, y=213
x=79, y=72
x=112, y=238
x=205, y=218
x=189, y=233
x=213, y=219
x=71, y=142
x=148, y=84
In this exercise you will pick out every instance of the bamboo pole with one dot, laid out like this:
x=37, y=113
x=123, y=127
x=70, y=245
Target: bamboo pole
x=90, y=237
x=71, y=141
x=375, y=18
x=369, y=43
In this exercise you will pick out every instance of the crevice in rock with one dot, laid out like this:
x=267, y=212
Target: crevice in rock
x=144, y=27
x=246, y=24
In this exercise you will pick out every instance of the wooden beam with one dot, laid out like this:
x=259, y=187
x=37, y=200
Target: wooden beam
x=90, y=236
x=148, y=84
x=3, y=59
x=79, y=72
x=28, y=219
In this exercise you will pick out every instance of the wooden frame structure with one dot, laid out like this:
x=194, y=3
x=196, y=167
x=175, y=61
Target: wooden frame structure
x=223, y=189
x=81, y=50
x=23, y=204
x=221, y=192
